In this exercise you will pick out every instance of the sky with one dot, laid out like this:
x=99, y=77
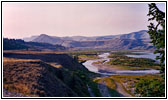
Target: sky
x=21, y=20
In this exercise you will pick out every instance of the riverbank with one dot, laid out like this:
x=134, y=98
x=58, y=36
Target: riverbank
x=120, y=81
x=104, y=66
x=128, y=85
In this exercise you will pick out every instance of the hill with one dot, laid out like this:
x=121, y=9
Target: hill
x=33, y=78
x=17, y=44
x=135, y=40
x=12, y=44
x=44, y=74
x=113, y=44
x=53, y=39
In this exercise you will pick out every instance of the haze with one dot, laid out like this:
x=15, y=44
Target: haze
x=73, y=19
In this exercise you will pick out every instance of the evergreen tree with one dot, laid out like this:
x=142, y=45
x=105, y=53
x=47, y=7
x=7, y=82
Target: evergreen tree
x=157, y=32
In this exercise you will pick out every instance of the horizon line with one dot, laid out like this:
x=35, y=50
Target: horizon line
x=77, y=35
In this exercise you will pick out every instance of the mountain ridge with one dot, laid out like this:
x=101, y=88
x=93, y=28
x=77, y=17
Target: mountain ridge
x=86, y=38
x=134, y=40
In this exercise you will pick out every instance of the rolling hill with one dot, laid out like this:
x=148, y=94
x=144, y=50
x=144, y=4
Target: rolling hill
x=135, y=40
x=44, y=74
x=17, y=44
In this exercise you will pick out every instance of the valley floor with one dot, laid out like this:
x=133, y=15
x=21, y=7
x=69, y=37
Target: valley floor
x=32, y=74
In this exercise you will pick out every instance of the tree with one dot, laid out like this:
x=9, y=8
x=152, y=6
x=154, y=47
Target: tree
x=150, y=88
x=157, y=32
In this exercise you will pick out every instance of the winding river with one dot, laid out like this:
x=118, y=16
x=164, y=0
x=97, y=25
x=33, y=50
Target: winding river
x=145, y=55
x=88, y=64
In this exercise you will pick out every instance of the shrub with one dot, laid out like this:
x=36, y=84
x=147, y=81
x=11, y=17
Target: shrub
x=150, y=88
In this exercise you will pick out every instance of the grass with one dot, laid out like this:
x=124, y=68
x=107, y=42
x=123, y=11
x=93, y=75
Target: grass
x=18, y=75
x=94, y=86
x=6, y=60
x=128, y=81
x=122, y=53
x=34, y=77
x=88, y=57
x=135, y=68
x=27, y=73
x=124, y=62
x=83, y=58
x=109, y=82
x=111, y=85
x=86, y=77
x=55, y=65
x=99, y=62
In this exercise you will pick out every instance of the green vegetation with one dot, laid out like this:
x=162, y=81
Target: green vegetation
x=60, y=68
x=111, y=85
x=89, y=52
x=85, y=76
x=157, y=32
x=150, y=88
x=12, y=44
x=33, y=78
x=99, y=62
x=118, y=59
x=155, y=87
x=141, y=85
x=126, y=52
x=18, y=44
x=82, y=56
x=94, y=86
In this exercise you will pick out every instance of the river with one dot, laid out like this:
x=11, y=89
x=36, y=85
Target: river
x=88, y=64
x=145, y=55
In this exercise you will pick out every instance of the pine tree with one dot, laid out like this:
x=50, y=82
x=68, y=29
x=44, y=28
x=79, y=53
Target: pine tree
x=157, y=32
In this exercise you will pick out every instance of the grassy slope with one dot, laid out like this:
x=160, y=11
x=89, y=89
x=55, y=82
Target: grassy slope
x=111, y=85
x=33, y=78
x=68, y=71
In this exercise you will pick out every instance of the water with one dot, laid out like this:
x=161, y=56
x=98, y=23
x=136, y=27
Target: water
x=145, y=55
x=104, y=56
x=92, y=68
x=139, y=72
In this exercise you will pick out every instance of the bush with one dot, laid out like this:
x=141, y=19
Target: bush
x=150, y=88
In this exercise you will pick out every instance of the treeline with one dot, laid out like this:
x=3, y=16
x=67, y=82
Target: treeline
x=18, y=44
x=13, y=44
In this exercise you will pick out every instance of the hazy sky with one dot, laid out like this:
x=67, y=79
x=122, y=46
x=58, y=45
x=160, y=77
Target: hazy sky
x=73, y=19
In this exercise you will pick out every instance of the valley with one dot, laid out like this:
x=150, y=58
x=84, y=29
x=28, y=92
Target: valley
x=83, y=50
x=47, y=74
x=100, y=66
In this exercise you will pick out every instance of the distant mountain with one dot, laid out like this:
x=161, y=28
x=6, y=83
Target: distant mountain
x=134, y=40
x=27, y=39
x=78, y=38
x=43, y=38
x=135, y=35
x=113, y=44
x=55, y=40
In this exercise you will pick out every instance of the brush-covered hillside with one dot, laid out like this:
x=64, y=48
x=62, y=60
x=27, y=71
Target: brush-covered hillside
x=46, y=75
